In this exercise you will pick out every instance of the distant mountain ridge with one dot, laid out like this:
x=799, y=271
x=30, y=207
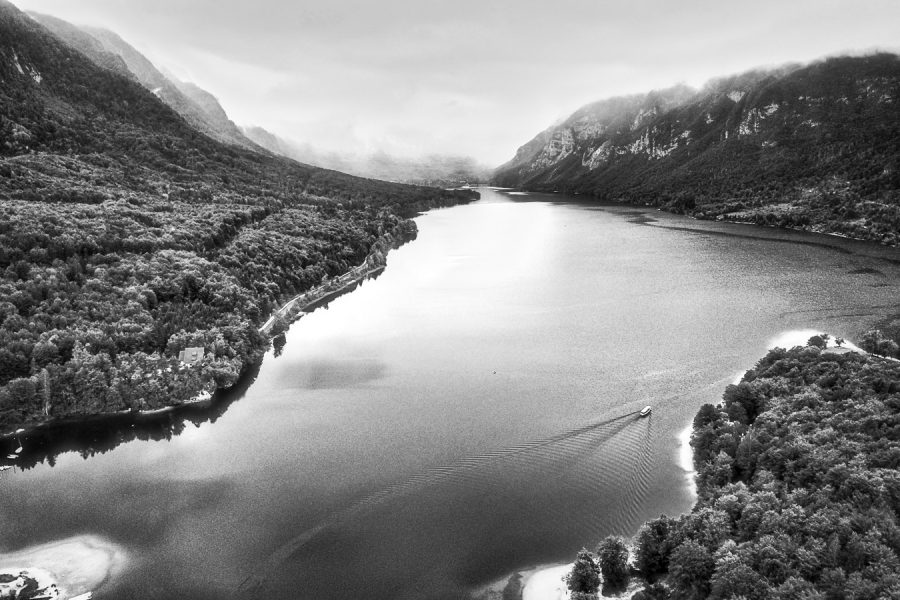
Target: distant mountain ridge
x=815, y=147
x=438, y=170
x=108, y=50
x=550, y=148
x=202, y=111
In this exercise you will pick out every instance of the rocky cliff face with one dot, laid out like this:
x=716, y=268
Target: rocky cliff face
x=816, y=147
x=585, y=138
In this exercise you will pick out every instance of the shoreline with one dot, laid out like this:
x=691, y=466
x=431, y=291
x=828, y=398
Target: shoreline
x=544, y=582
x=71, y=568
x=686, y=460
x=713, y=219
x=290, y=311
x=374, y=263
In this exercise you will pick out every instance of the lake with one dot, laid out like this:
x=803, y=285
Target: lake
x=470, y=412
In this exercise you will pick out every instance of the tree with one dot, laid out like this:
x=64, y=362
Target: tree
x=888, y=348
x=796, y=588
x=750, y=395
x=720, y=472
x=870, y=340
x=585, y=574
x=652, y=591
x=653, y=547
x=21, y=391
x=690, y=568
x=875, y=342
x=819, y=341
x=43, y=354
x=734, y=579
x=612, y=554
x=279, y=325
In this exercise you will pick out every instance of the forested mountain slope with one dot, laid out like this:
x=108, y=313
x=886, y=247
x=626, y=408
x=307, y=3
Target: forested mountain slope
x=106, y=49
x=126, y=235
x=815, y=147
x=83, y=42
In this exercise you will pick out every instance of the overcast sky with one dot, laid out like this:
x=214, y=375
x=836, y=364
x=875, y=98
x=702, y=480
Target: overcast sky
x=473, y=77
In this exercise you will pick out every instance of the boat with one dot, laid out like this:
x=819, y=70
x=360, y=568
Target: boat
x=646, y=411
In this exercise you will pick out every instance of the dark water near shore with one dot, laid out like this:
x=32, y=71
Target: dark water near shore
x=468, y=413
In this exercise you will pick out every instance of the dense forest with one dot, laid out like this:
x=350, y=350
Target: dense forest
x=814, y=147
x=798, y=490
x=127, y=236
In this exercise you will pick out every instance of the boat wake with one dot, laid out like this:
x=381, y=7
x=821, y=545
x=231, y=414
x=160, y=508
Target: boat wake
x=575, y=469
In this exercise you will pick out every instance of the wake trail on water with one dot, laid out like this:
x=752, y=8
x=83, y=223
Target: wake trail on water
x=556, y=458
x=639, y=483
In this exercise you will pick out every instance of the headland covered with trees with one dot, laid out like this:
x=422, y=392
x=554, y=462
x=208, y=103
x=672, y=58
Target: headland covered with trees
x=127, y=236
x=812, y=147
x=798, y=490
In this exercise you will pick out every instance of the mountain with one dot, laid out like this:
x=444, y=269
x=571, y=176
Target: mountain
x=431, y=169
x=815, y=147
x=203, y=111
x=206, y=116
x=106, y=49
x=210, y=106
x=545, y=157
x=434, y=169
x=83, y=42
x=127, y=236
x=304, y=153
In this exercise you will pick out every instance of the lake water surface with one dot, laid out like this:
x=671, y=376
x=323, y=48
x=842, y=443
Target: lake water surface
x=468, y=413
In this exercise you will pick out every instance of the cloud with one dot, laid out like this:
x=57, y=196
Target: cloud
x=463, y=77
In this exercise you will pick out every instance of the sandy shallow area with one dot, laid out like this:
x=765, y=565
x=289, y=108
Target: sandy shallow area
x=799, y=337
x=76, y=565
x=546, y=583
x=686, y=460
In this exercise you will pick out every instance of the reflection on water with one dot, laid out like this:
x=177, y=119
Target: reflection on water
x=457, y=419
x=338, y=373
x=103, y=434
